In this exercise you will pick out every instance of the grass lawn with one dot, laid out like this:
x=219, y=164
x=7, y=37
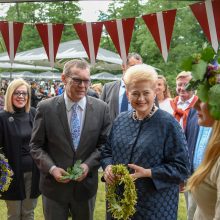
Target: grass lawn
x=99, y=209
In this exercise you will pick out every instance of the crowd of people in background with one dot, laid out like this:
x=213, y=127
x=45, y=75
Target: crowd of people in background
x=133, y=121
x=41, y=90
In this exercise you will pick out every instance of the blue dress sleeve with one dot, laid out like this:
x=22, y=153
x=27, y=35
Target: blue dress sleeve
x=176, y=166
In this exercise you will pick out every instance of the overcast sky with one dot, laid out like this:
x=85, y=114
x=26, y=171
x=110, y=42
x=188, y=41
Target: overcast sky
x=90, y=9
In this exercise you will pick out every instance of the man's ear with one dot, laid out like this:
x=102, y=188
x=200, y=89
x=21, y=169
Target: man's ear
x=63, y=78
x=127, y=94
x=123, y=67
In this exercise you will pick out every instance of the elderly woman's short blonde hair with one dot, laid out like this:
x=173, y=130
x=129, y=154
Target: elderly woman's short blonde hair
x=8, y=107
x=140, y=73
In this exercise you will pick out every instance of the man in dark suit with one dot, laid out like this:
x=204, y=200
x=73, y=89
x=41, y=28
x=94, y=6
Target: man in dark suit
x=112, y=92
x=35, y=98
x=67, y=128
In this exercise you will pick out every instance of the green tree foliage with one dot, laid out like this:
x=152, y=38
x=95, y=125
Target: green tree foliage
x=57, y=12
x=27, y=13
x=187, y=36
x=118, y=10
x=64, y=13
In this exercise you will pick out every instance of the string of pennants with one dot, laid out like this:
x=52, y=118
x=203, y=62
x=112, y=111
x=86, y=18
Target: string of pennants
x=160, y=25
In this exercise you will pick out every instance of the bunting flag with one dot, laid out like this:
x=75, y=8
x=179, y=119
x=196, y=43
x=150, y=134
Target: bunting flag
x=11, y=33
x=208, y=15
x=161, y=26
x=50, y=35
x=120, y=31
x=90, y=34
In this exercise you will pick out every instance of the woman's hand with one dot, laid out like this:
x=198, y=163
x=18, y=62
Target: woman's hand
x=108, y=175
x=139, y=171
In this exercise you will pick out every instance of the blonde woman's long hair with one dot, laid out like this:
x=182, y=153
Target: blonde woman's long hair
x=212, y=154
x=167, y=91
x=8, y=106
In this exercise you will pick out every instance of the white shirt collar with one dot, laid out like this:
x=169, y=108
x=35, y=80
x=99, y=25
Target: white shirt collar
x=69, y=103
x=122, y=83
x=186, y=102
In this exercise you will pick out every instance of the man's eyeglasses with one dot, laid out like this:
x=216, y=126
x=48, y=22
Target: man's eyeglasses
x=78, y=81
x=18, y=94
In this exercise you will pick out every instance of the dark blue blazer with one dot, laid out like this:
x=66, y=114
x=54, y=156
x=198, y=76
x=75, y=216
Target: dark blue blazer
x=191, y=132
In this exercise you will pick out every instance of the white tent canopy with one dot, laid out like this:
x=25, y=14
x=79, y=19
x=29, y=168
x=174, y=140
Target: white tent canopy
x=25, y=74
x=106, y=76
x=68, y=50
x=48, y=75
x=55, y=76
x=29, y=75
x=7, y=65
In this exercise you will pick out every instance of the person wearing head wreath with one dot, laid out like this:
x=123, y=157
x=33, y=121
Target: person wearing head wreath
x=204, y=184
x=152, y=144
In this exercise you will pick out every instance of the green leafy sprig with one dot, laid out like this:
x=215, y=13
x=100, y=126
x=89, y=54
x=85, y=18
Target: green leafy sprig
x=206, y=79
x=74, y=172
x=122, y=205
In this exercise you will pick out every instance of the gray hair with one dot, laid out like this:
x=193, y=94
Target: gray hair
x=136, y=56
x=81, y=64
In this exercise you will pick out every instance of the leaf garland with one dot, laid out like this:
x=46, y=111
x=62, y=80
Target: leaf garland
x=122, y=194
x=199, y=69
x=214, y=101
x=74, y=172
x=6, y=174
x=206, y=78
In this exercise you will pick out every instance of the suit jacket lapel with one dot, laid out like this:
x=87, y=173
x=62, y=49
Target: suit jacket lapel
x=87, y=120
x=116, y=89
x=61, y=111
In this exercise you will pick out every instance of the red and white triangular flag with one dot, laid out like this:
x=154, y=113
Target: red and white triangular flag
x=208, y=15
x=90, y=33
x=120, y=31
x=161, y=26
x=11, y=33
x=50, y=35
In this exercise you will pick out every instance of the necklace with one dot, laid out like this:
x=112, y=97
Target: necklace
x=152, y=111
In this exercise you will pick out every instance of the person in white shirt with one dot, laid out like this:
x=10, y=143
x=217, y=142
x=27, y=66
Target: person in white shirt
x=185, y=100
x=163, y=94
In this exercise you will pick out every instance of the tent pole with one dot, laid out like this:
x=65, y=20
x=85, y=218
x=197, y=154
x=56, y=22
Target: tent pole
x=11, y=74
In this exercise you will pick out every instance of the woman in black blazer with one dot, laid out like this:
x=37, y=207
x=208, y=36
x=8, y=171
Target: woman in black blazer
x=16, y=121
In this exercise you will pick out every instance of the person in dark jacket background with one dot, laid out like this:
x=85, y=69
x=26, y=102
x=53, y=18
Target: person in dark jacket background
x=35, y=97
x=16, y=123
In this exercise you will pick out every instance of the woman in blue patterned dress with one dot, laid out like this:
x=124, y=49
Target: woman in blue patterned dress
x=152, y=144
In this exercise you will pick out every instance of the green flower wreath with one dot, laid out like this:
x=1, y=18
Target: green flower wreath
x=122, y=195
x=206, y=79
x=5, y=174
